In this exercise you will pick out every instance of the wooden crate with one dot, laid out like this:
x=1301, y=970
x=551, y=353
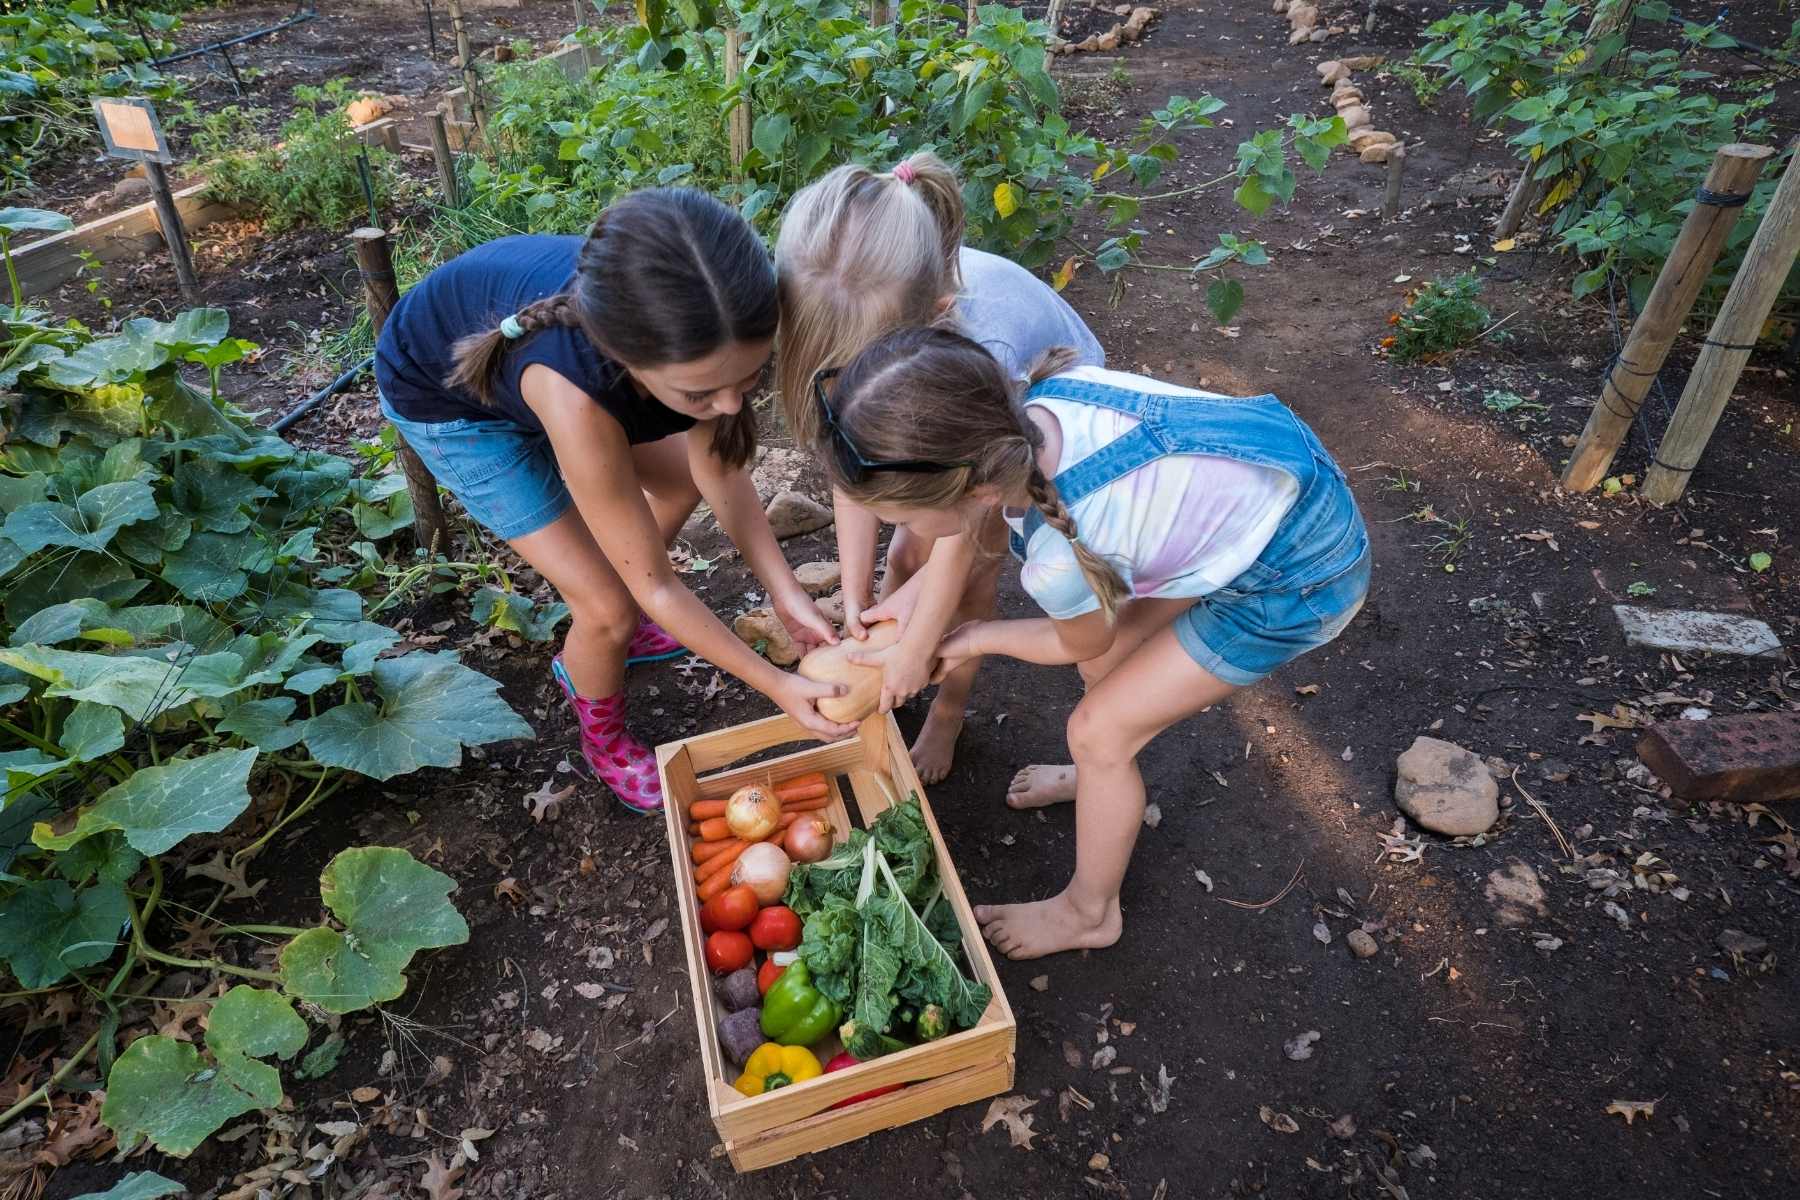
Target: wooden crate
x=870, y=771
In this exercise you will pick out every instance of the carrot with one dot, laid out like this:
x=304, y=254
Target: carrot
x=721, y=863
x=705, y=851
x=713, y=829
x=719, y=880
x=789, y=808
x=704, y=809
x=806, y=787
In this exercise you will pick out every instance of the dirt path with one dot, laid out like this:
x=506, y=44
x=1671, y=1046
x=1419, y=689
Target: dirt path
x=1477, y=1053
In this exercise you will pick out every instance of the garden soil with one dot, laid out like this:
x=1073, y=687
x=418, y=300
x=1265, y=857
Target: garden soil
x=1514, y=1013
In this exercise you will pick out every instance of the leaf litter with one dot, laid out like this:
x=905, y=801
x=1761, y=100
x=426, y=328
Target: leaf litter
x=1011, y=1111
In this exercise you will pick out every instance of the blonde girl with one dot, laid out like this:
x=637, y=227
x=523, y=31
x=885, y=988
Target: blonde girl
x=580, y=396
x=862, y=253
x=1181, y=545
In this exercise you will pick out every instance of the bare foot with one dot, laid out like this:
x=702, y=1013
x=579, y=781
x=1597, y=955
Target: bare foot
x=1047, y=927
x=1039, y=785
x=935, y=747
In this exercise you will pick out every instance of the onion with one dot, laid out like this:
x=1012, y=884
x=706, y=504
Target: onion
x=808, y=839
x=752, y=813
x=764, y=869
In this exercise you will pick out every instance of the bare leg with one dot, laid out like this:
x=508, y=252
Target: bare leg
x=935, y=747
x=1155, y=687
x=668, y=483
x=1044, y=784
x=602, y=613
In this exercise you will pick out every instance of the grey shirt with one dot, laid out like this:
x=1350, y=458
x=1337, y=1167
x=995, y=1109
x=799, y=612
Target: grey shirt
x=1018, y=316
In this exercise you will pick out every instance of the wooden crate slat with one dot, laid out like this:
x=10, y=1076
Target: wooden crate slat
x=829, y=759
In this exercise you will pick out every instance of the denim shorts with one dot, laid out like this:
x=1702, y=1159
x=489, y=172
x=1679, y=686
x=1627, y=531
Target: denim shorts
x=1243, y=632
x=506, y=476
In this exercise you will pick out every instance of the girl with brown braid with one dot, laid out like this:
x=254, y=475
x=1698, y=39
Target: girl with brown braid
x=1182, y=545
x=580, y=396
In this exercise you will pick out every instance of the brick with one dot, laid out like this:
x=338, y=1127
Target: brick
x=1755, y=757
x=1697, y=632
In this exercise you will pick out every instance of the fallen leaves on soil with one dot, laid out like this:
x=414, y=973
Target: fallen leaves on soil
x=1010, y=1111
x=1631, y=1110
x=1278, y=1121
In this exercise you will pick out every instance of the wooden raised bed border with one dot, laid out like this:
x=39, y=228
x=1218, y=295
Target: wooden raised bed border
x=761, y=1131
x=48, y=263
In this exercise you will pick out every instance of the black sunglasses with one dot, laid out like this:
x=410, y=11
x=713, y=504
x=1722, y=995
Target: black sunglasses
x=857, y=467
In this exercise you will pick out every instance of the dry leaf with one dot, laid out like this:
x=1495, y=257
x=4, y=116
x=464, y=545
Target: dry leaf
x=1308, y=689
x=1159, y=1095
x=1540, y=535
x=590, y=991
x=1010, y=1111
x=1279, y=1122
x=1105, y=1056
x=1152, y=815
x=366, y=1095
x=1632, y=1109
x=546, y=803
x=542, y=1041
x=509, y=888
x=1343, y=1129
x=439, y=1180
x=656, y=929
x=1040, y=983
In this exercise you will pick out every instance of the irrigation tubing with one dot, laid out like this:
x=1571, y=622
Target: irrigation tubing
x=319, y=397
x=219, y=47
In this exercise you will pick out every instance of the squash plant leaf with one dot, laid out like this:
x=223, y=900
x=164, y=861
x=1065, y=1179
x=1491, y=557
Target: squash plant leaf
x=139, y=1185
x=156, y=807
x=89, y=524
x=48, y=929
x=431, y=707
x=391, y=906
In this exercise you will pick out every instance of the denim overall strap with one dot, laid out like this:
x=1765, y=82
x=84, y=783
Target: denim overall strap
x=1143, y=444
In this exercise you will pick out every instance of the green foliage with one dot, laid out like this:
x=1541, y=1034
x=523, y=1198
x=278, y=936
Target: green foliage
x=308, y=174
x=139, y=1185
x=1761, y=561
x=1443, y=316
x=54, y=58
x=1625, y=135
x=179, y=632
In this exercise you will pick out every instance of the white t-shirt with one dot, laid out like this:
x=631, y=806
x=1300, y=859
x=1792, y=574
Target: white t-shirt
x=1183, y=525
x=1018, y=316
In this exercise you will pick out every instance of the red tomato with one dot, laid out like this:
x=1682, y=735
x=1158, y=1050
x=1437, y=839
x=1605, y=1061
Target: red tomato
x=765, y=978
x=728, y=951
x=732, y=909
x=775, y=928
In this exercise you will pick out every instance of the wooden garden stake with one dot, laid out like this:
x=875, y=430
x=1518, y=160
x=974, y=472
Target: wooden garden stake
x=1524, y=198
x=375, y=263
x=169, y=217
x=129, y=129
x=1052, y=18
x=1728, y=346
x=1396, y=170
x=471, y=81
x=1734, y=171
x=737, y=120
x=446, y=159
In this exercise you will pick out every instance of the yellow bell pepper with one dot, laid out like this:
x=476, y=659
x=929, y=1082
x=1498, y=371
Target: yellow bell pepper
x=774, y=1066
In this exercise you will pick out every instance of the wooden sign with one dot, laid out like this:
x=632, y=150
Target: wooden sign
x=129, y=127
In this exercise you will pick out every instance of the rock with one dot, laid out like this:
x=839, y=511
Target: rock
x=1279, y=6
x=1737, y=943
x=1108, y=40
x=833, y=608
x=1332, y=71
x=1364, y=62
x=1361, y=139
x=1355, y=117
x=1139, y=21
x=818, y=577
x=1375, y=154
x=364, y=109
x=1361, y=944
x=1317, y=35
x=1298, y=36
x=1555, y=770
x=1516, y=893
x=791, y=514
x=777, y=470
x=1090, y=42
x=1446, y=789
x=762, y=625
x=1337, y=30
x=1303, y=16
x=1342, y=99
x=131, y=188
x=503, y=53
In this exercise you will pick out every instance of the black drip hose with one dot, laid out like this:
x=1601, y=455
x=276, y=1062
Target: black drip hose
x=313, y=401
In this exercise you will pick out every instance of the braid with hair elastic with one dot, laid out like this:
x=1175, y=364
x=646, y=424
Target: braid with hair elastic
x=477, y=356
x=1099, y=573
x=550, y=311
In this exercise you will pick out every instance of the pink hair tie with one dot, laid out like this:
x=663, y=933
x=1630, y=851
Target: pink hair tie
x=905, y=173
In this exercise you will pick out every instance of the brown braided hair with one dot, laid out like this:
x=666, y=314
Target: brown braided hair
x=934, y=394
x=666, y=275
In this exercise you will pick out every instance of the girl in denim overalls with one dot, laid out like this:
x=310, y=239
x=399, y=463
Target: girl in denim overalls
x=1182, y=546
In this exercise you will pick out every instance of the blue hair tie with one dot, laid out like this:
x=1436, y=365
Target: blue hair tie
x=510, y=327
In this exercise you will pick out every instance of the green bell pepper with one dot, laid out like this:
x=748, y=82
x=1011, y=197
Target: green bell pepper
x=794, y=1012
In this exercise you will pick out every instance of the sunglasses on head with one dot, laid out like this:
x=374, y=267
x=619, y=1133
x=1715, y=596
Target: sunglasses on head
x=856, y=466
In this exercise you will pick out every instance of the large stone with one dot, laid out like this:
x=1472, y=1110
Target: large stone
x=1317, y=35
x=792, y=514
x=1303, y=16
x=1355, y=117
x=833, y=608
x=1364, y=62
x=364, y=109
x=1109, y=40
x=1299, y=35
x=777, y=470
x=1279, y=6
x=818, y=577
x=1688, y=632
x=131, y=188
x=1342, y=98
x=1138, y=22
x=761, y=627
x=1377, y=153
x=1446, y=789
x=1361, y=139
x=1331, y=71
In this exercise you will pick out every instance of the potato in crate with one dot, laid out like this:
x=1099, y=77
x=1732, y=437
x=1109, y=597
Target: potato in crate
x=840, y=982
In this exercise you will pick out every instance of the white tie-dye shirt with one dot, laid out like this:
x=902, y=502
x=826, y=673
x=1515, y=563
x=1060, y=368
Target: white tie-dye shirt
x=1183, y=525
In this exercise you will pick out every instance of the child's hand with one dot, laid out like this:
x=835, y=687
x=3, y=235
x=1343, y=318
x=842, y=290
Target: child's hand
x=799, y=698
x=957, y=648
x=904, y=673
x=898, y=606
x=855, y=604
x=805, y=622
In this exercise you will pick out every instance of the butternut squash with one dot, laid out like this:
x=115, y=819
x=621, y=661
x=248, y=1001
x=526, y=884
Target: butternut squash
x=831, y=664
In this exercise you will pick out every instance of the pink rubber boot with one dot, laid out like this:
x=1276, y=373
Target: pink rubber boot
x=651, y=643
x=619, y=760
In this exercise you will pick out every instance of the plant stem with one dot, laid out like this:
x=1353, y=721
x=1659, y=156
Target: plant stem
x=48, y=747
x=12, y=277
x=271, y=930
x=63, y=1071
x=141, y=918
x=319, y=793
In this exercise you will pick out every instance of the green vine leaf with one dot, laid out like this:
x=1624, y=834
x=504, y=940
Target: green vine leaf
x=159, y=806
x=139, y=1185
x=263, y=723
x=89, y=525
x=48, y=929
x=92, y=731
x=432, y=706
x=391, y=906
x=164, y=1091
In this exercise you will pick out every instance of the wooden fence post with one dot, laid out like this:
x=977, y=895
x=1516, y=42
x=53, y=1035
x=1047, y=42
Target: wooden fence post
x=381, y=291
x=446, y=158
x=738, y=119
x=1728, y=346
x=471, y=81
x=1734, y=171
x=1396, y=173
x=168, y=216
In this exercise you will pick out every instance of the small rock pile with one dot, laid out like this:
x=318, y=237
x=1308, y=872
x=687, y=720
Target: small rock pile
x=1303, y=21
x=1371, y=144
x=1137, y=20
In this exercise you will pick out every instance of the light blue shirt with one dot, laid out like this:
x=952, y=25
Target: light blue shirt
x=1018, y=316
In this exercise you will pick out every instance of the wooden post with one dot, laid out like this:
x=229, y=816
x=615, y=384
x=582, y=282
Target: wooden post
x=1690, y=263
x=881, y=13
x=1734, y=333
x=738, y=119
x=1052, y=18
x=381, y=291
x=1396, y=169
x=169, y=218
x=446, y=158
x=471, y=81
x=1524, y=198
x=974, y=18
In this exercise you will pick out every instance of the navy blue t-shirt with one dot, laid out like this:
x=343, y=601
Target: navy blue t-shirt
x=471, y=294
